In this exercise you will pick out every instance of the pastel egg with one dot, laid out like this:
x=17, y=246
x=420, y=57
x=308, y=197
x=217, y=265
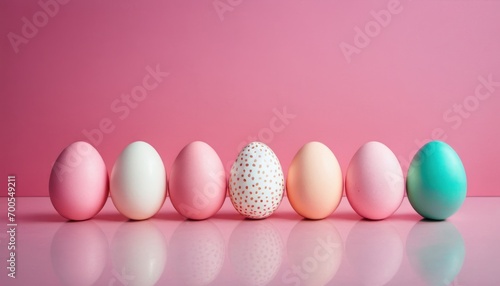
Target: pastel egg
x=374, y=182
x=78, y=185
x=197, y=184
x=436, y=182
x=256, y=182
x=138, y=181
x=314, y=182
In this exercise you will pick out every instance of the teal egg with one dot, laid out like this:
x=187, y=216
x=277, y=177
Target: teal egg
x=436, y=183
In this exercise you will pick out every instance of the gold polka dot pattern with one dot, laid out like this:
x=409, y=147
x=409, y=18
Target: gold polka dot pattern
x=256, y=182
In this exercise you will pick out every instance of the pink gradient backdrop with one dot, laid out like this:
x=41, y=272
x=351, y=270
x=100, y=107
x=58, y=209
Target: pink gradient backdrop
x=230, y=70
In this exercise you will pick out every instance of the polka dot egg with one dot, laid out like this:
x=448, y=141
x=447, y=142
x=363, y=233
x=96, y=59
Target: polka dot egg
x=256, y=182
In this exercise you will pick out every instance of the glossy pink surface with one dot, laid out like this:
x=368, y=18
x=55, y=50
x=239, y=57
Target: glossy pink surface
x=280, y=250
x=229, y=72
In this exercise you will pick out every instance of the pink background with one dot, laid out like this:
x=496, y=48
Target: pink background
x=229, y=72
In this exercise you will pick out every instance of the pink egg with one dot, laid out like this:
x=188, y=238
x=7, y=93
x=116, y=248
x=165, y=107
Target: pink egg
x=78, y=185
x=197, y=184
x=374, y=181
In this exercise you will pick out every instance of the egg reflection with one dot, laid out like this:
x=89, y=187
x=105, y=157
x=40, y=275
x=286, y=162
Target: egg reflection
x=79, y=253
x=436, y=251
x=139, y=253
x=198, y=247
x=314, y=253
x=375, y=251
x=255, y=251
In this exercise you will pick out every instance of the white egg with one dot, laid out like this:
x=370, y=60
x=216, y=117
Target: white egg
x=256, y=182
x=138, y=183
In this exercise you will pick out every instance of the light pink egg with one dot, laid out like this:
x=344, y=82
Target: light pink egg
x=78, y=185
x=197, y=184
x=374, y=181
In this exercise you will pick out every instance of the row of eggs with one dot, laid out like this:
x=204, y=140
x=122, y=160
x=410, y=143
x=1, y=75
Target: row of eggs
x=436, y=182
